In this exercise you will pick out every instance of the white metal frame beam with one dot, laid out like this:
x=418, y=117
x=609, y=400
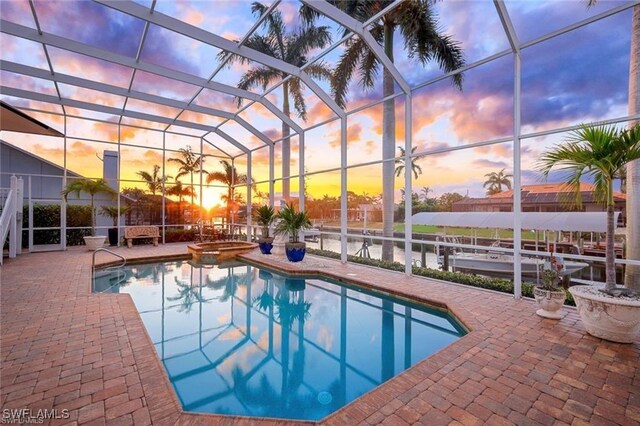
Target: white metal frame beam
x=27, y=33
x=517, y=172
x=141, y=12
x=41, y=97
x=358, y=27
x=119, y=91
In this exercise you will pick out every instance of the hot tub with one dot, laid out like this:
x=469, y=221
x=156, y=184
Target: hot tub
x=219, y=250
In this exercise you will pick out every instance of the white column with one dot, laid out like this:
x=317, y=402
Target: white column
x=201, y=168
x=249, y=182
x=408, y=188
x=63, y=203
x=301, y=171
x=164, y=190
x=19, y=218
x=343, y=190
x=13, y=222
x=271, y=175
x=517, y=198
x=118, y=186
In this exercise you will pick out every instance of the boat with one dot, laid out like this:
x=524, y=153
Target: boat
x=494, y=264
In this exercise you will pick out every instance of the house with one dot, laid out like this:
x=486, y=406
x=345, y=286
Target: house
x=548, y=197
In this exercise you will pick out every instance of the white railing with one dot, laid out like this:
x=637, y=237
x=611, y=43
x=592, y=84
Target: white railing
x=11, y=218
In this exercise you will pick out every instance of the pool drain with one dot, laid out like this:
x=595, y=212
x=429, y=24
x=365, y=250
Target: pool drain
x=324, y=398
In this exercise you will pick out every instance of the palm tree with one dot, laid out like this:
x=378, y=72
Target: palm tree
x=426, y=190
x=422, y=39
x=154, y=183
x=190, y=163
x=599, y=152
x=229, y=177
x=180, y=191
x=93, y=188
x=495, y=182
x=632, y=272
x=417, y=170
x=153, y=180
x=291, y=47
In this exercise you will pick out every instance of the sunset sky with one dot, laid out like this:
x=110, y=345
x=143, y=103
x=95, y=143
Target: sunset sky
x=581, y=76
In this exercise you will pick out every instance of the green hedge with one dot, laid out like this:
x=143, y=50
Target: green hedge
x=496, y=284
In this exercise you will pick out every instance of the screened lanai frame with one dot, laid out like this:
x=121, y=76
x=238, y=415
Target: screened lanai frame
x=149, y=16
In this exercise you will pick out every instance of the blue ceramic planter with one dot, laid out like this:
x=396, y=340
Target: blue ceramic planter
x=295, y=254
x=265, y=246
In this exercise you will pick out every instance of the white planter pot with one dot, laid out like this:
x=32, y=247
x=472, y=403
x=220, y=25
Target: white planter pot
x=611, y=318
x=550, y=302
x=94, y=243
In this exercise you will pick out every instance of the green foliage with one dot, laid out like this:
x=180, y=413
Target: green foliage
x=179, y=235
x=291, y=222
x=91, y=187
x=113, y=212
x=496, y=284
x=265, y=215
x=48, y=216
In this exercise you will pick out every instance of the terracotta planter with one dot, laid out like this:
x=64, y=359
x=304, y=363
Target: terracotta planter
x=550, y=302
x=94, y=243
x=611, y=318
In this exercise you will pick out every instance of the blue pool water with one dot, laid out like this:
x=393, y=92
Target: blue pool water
x=237, y=339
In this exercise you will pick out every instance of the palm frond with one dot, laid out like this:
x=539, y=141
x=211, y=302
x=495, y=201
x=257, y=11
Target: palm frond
x=295, y=91
x=346, y=67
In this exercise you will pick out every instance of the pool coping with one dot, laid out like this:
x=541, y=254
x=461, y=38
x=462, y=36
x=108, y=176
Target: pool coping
x=399, y=383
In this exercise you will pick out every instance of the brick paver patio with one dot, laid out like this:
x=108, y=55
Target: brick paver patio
x=65, y=348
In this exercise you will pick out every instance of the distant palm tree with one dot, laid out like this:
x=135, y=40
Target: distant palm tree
x=190, y=163
x=154, y=183
x=417, y=170
x=422, y=39
x=600, y=152
x=153, y=180
x=291, y=47
x=93, y=188
x=180, y=191
x=426, y=190
x=229, y=177
x=495, y=182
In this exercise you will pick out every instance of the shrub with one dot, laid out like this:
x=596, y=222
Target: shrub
x=179, y=235
x=496, y=284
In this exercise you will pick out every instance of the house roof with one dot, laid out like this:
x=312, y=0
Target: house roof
x=547, y=193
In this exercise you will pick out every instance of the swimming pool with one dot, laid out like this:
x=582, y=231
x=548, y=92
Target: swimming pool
x=241, y=340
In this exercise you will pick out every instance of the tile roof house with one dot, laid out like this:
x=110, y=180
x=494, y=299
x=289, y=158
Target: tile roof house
x=547, y=197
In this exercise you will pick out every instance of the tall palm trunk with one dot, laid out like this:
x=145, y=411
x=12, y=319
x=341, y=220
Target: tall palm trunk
x=610, y=252
x=632, y=274
x=388, y=148
x=286, y=145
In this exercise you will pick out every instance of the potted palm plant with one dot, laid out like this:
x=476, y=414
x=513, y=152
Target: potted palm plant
x=91, y=187
x=265, y=216
x=113, y=212
x=600, y=152
x=550, y=296
x=290, y=224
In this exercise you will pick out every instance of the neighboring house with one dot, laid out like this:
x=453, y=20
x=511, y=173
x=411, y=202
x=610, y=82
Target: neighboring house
x=549, y=197
x=43, y=179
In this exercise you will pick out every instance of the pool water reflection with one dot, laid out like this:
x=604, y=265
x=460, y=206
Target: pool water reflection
x=235, y=339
